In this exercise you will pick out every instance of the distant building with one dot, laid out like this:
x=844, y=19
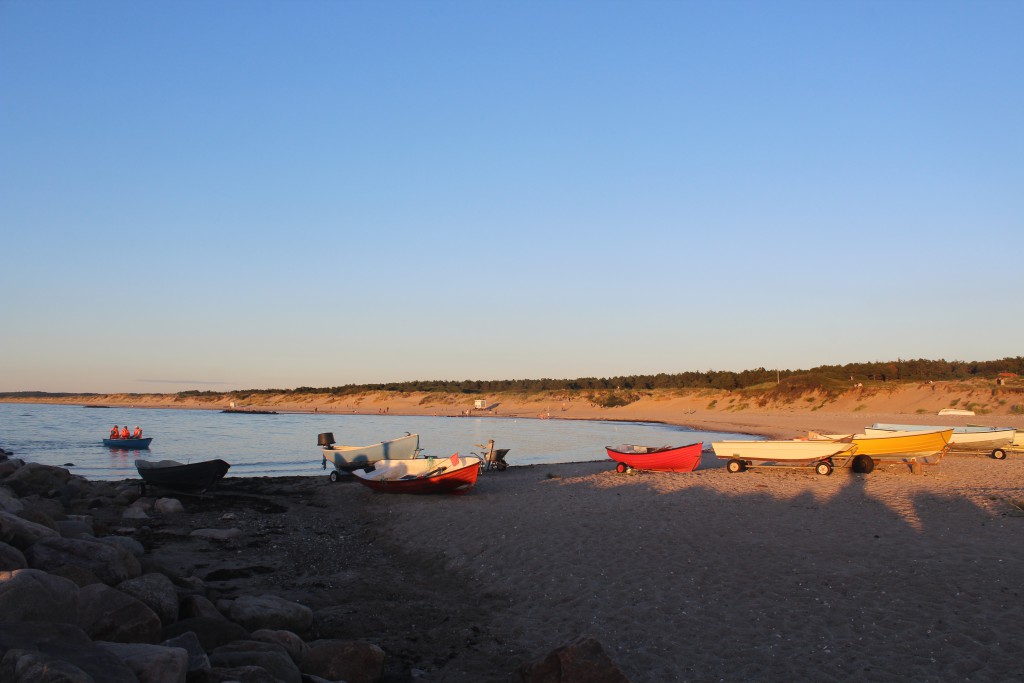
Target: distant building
x=480, y=404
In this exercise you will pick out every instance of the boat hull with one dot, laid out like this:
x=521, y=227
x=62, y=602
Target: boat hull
x=963, y=438
x=349, y=458
x=881, y=444
x=456, y=475
x=789, y=451
x=169, y=474
x=665, y=459
x=129, y=444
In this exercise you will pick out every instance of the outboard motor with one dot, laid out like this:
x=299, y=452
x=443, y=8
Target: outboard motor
x=325, y=439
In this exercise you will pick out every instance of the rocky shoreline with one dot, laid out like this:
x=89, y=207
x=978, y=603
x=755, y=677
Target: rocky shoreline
x=270, y=579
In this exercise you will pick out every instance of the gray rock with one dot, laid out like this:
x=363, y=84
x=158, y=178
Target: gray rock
x=9, y=502
x=157, y=592
x=69, y=528
x=126, y=542
x=62, y=643
x=238, y=674
x=271, y=612
x=217, y=534
x=212, y=633
x=134, y=513
x=29, y=666
x=189, y=641
x=293, y=645
x=151, y=663
x=11, y=558
x=22, y=533
x=581, y=661
x=80, y=576
x=111, y=563
x=106, y=613
x=50, y=508
x=348, y=660
x=35, y=478
x=268, y=656
x=197, y=606
x=34, y=595
x=168, y=506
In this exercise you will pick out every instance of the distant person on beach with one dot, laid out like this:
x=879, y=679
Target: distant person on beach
x=124, y=432
x=114, y=432
x=137, y=434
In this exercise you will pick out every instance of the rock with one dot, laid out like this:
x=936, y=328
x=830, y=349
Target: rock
x=157, y=592
x=35, y=478
x=80, y=576
x=269, y=656
x=188, y=641
x=106, y=613
x=217, y=534
x=197, y=606
x=50, y=509
x=34, y=595
x=134, y=513
x=10, y=466
x=151, y=663
x=111, y=563
x=270, y=612
x=61, y=643
x=212, y=633
x=68, y=528
x=293, y=645
x=348, y=660
x=129, y=544
x=581, y=661
x=239, y=674
x=11, y=558
x=9, y=502
x=22, y=533
x=29, y=666
x=168, y=506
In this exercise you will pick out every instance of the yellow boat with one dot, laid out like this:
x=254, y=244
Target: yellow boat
x=899, y=444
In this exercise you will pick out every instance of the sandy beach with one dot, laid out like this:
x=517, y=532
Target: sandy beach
x=765, y=575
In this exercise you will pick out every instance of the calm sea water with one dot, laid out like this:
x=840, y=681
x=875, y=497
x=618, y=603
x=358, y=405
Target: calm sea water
x=285, y=444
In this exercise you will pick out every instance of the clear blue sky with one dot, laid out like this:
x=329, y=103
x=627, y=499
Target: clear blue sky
x=222, y=195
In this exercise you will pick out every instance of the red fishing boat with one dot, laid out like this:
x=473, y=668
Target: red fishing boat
x=656, y=458
x=455, y=474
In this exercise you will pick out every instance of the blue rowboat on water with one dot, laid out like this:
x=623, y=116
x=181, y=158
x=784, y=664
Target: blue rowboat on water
x=130, y=444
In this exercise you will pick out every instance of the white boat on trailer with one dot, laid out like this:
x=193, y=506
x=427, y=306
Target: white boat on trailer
x=743, y=454
x=964, y=438
x=349, y=458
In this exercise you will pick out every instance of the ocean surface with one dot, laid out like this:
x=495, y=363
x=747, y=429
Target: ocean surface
x=285, y=444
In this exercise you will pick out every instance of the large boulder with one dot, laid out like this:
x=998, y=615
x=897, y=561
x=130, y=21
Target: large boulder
x=581, y=661
x=348, y=660
x=9, y=502
x=238, y=674
x=293, y=645
x=51, y=643
x=11, y=558
x=270, y=612
x=212, y=633
x=269, y=656
x=22, y=533
x=34, y=595
x=157, y=591
x=189, y=642
x=197, y=606
x=34, y=478
x=30, y=666
x=151, y=663
x=111, y=563
x=106, y=613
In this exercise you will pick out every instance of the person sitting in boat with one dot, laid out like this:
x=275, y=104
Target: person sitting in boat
x=137, y=434
x=124, y=432
x=114, y=432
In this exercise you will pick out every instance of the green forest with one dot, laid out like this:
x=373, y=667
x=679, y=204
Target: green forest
x=827, y=377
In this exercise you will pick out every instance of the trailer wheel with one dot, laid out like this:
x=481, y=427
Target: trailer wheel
x=824, y=468
x=620, y=467
x=334, y=475
x=999, y=454
x=735, y=466
x=863, y=464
